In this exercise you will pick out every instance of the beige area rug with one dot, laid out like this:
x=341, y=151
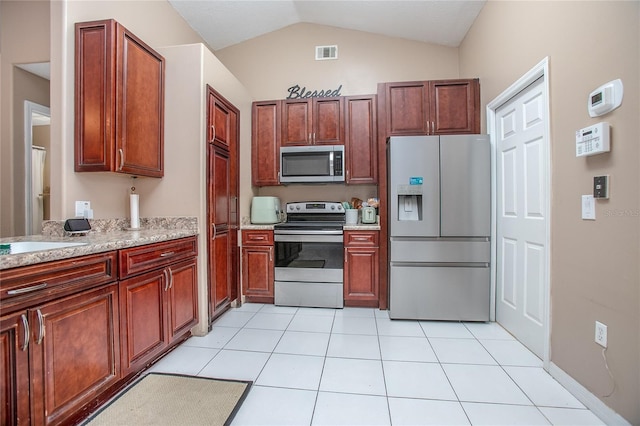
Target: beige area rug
x=167, y=399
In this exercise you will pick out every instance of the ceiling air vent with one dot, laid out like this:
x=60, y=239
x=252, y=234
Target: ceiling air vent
x=326, y=52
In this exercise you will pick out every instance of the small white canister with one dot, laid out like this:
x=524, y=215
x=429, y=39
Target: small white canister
x=351, y=216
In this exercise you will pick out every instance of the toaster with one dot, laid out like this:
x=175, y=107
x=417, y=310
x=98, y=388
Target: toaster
x=265, y=210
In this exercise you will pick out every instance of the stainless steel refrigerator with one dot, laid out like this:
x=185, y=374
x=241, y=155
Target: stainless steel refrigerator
x=439, y=227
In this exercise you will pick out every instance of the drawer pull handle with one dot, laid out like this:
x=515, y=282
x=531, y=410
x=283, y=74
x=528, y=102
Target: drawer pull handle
x=27, y=289
x=25, y=325
x=40, y=327
x=169, y=253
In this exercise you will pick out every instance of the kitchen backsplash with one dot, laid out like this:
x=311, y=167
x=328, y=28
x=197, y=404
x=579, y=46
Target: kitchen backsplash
x=55, y=228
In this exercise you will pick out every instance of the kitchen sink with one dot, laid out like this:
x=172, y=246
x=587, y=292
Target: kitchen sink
x=30, y=246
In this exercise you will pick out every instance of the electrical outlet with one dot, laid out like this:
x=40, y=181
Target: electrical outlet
x=81, y=206
x=601, y=334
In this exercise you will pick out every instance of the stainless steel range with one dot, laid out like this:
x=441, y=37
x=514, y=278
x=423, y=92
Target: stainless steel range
x=310, y=255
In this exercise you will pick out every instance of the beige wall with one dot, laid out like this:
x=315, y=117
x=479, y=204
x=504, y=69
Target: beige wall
x=594, y=265
x=270, y=64
x=24, y=38
x=189, y=69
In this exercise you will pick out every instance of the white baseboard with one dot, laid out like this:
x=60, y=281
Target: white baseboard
x=583, y=395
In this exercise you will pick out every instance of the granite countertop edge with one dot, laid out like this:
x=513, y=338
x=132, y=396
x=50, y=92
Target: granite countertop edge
x=96, y=242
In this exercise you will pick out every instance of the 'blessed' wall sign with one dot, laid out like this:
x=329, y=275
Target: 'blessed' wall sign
x=297, y=92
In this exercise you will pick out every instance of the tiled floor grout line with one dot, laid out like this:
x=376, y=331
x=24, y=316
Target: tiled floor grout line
x=384, y=376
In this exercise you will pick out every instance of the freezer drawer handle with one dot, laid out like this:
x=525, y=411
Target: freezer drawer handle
x=441, y=264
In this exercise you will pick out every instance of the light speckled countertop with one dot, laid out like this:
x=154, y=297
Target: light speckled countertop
x=106, y=235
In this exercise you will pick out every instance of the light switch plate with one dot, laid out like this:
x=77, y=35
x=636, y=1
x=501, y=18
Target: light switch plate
x=588, y=207
x=601, y=187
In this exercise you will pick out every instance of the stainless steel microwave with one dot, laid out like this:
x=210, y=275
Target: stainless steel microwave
x=312, y=164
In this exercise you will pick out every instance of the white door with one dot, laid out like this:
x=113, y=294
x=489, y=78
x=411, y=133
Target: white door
x=521, y=221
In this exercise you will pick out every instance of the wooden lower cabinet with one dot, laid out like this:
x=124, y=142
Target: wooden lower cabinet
x=361, y=268
x=14, y=369
x=257, y=266
x=66, y=346
x=158, y=308
x=58, y=356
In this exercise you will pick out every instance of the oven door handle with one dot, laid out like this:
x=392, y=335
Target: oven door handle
x=308, y=232
x=306, y=237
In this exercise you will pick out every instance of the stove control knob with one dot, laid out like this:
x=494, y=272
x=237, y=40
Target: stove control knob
x=339, y=206
x=297, y=207
x=333, y=207
x=290, y=207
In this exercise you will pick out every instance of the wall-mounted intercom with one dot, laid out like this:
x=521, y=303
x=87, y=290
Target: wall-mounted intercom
x=605, y=98
x=593, y=140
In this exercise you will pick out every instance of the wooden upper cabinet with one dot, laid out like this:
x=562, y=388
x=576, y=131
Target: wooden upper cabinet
x=437, y=107
x=361, y=131
x=407, y=108
x=328, y=121
x=454, y=107
x=221, y=120
x=265, y=142
x=296, y=122
x=316, y=121
x=119, y=101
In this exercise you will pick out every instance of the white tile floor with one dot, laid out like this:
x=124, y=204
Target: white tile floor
x=355, y=366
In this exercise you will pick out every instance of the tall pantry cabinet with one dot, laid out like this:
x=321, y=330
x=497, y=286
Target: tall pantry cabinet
x=222, y=201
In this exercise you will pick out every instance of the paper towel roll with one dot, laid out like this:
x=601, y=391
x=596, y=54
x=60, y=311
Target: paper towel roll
x=134, y=200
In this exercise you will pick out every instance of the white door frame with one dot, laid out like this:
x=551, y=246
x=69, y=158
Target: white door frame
x=540, y=70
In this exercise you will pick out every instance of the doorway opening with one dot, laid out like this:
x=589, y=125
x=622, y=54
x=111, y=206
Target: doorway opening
x=37, y=121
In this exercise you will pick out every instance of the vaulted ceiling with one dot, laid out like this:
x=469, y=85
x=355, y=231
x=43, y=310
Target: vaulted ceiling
x=223, y=23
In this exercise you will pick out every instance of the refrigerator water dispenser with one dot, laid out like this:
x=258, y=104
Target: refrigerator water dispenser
x=409, y=207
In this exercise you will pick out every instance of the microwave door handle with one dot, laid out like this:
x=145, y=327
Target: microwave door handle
x=331, y=171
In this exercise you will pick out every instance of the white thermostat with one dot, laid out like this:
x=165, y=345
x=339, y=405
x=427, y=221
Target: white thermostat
x=605, y=98
x=593, y=140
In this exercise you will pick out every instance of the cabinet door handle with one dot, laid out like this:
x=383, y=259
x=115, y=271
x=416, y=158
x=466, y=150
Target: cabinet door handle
x=168, y=253
x=213, y=130
x=213, y=225
x=310, y=138
x=170, y=278
x=346, y=258
x=433, y=127
x=270, y=254
x=27, y=333
x=40, y=327
x=166, y=279
x=27, y=289
x=121, y=152
x=428, y=124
